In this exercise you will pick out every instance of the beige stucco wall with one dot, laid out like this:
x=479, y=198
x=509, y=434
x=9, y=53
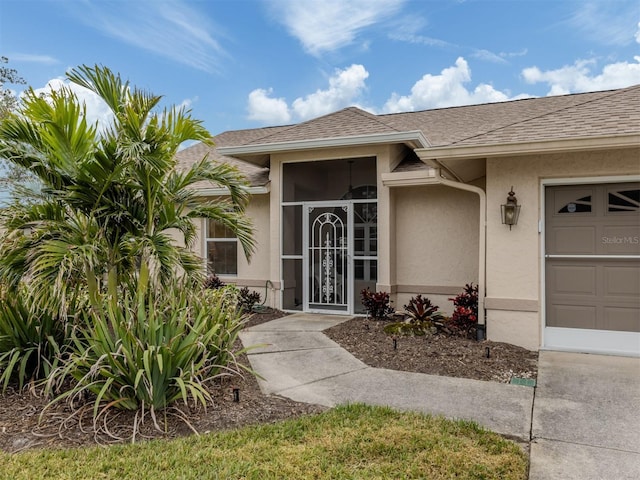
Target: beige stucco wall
x=514, y=279
x=437, y=231
x=253, y=273
x=258, y=267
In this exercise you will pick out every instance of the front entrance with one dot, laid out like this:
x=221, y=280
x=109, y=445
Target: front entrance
x=328, y=248
x=592, y=267
x=329, y=234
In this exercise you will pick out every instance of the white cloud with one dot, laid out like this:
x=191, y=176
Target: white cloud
x=609, y=23
x=407, y=30
x=419, y=39
x=488, y=56
x=264, y=109
x=501, y=57
x=97, y=111
x=444, y=90
x=30, y=58
x=324, y=26
x=345, y=87
x=447, y=89
x=175, y=30
x=580, y=78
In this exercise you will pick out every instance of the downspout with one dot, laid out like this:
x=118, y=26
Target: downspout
x=482, y=240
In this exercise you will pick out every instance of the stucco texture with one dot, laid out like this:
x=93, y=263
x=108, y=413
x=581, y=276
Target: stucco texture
x=514, y=256
x=436, y=236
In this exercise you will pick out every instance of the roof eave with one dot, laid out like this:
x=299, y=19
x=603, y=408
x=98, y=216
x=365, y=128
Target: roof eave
x=223, y=191
x=414, y=139
x=461, y=152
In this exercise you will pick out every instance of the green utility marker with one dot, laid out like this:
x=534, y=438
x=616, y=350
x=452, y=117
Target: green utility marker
x=527, y=382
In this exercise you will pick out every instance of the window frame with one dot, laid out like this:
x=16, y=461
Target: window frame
x=210, y=268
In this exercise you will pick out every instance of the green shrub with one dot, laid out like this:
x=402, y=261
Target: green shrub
x=409, y=329
x=31, y=342
x=150, y=348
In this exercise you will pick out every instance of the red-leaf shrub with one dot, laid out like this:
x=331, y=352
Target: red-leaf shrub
x=465, y=315
x=377, y=304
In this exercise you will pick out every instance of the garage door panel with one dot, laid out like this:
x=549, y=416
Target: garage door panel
x=621, y=281
x=620, y=239
x=573, y=316
x=621, y=319
x=592, y=266
x=573, y=279
x=572, y=240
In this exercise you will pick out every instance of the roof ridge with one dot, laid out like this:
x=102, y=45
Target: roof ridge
x=605, y=94
x=295, y=125
x=374, y=116
x=353, y=109
x=283, y=127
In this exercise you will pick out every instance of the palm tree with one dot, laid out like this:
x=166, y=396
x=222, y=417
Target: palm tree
x=109, y=198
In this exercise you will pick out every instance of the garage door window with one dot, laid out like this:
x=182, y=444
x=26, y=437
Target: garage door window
x=580, y=205
x=624, y=201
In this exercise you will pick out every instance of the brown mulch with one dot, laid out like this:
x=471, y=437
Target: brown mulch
x=441, y=354
x=20, y=428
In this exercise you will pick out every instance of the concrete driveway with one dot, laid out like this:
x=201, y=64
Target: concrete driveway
x=586, y=418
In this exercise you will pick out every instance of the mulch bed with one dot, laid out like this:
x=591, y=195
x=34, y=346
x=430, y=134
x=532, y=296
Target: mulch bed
x=20, y=428
x=441, y=354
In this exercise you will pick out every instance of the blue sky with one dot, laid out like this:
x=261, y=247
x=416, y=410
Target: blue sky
x=249, y=63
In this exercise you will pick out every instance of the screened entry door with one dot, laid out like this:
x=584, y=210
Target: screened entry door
x=327, y=246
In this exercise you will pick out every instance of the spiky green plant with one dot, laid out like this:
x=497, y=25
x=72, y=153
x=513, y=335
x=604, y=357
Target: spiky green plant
x=150, y=348
x=31, y=341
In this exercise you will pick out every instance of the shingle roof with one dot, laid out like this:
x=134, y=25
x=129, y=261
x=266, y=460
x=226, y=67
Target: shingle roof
x=607, y=114
x=448, y=126
x=257, y=176
x=595, y=114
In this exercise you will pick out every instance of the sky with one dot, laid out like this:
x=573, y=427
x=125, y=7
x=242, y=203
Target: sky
x=250, y=63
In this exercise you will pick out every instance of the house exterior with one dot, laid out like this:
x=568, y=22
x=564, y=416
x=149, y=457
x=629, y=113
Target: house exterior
x=410, y=203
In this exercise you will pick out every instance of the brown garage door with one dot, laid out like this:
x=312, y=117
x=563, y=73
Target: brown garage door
x=592, y=261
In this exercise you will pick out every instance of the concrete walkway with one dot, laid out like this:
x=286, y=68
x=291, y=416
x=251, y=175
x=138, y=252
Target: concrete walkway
x=584, y=422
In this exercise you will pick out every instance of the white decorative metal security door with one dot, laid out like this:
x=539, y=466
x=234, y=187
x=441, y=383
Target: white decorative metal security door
x=327, y=272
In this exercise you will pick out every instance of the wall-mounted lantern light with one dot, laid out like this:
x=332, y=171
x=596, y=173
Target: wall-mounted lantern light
x=510, y=210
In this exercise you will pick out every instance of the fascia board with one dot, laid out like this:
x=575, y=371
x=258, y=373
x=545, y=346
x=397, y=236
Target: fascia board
x=406, y=179
x=527, y=148
x=416, y=137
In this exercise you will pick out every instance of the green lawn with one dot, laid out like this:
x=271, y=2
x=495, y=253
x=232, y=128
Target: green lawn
x=353, y=441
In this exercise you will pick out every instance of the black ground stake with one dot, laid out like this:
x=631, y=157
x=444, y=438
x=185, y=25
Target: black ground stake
x=236, y=395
